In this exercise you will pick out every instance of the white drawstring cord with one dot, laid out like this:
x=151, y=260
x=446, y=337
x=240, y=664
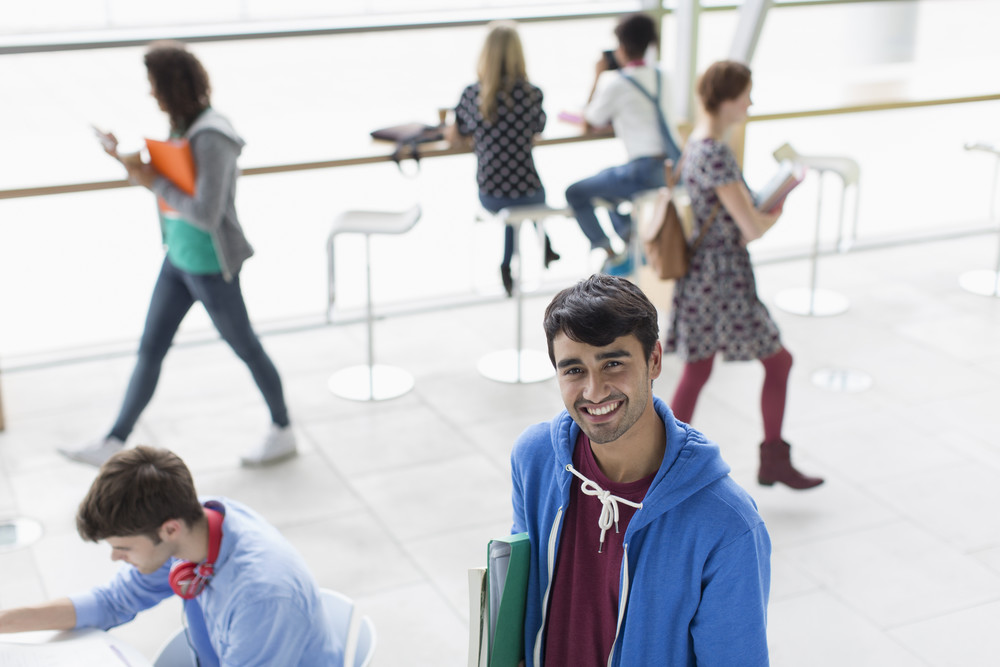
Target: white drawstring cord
x=609, y=504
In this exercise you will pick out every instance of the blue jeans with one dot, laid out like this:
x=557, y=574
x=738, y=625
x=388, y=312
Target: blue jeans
x=174, y=294
x=494, y=204
x=616, y=184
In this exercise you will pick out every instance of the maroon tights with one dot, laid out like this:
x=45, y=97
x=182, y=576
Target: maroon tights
x=772, y=396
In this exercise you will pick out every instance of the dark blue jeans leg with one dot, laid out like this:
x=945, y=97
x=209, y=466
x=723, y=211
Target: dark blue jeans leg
x=169, y=304
x=224, y=303
x=615, y=184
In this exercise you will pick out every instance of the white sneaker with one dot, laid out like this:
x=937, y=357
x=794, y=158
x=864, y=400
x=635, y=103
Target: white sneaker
x=278, y=445
x=95, y=452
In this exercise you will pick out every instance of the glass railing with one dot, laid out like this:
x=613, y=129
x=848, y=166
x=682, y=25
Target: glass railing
x=76, y=269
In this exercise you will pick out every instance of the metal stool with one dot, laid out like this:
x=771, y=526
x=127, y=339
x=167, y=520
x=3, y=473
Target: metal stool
x=518, y=365
x=984, y=281
x=369, y=382
x=813, y=301
x=637, y=202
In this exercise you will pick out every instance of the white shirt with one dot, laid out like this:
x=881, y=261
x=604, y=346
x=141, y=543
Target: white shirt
x=632, y=115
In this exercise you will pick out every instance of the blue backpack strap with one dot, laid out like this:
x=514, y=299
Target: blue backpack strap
x=670, y=147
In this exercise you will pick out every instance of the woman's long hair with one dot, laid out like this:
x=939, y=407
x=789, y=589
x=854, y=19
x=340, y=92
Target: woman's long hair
x=501, y=65
x=180, y=83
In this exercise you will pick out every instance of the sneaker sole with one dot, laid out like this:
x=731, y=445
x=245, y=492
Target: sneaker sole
x=263, y=463
x=72, y=456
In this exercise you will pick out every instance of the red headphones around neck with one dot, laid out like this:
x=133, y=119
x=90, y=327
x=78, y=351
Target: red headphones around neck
x=188, y=579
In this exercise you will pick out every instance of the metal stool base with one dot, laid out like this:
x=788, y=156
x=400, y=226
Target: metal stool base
x=384, y=382
x=982, y=282
x=18, y=533
x=511, y=367
x=842, y=380
x=818, y=303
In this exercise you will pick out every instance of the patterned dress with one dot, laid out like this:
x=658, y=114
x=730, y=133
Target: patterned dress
x=715, y=306
x=503, y=148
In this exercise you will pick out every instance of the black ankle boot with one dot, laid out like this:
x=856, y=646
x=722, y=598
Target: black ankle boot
x=550, y=254
x=508, y=282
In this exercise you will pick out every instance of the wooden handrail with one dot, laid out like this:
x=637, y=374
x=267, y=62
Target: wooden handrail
x=440, y=149
x=429, y=150
x=887, y=105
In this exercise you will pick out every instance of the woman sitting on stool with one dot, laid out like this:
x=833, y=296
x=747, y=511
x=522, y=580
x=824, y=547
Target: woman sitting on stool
x=501, y=114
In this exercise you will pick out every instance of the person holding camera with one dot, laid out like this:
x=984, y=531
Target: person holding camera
x=632, y=96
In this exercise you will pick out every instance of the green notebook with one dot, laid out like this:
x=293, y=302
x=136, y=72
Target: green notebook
x=508, y=562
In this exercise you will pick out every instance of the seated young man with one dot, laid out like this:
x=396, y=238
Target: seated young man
x=248, y=597
x=634, y=99
x=643, y=550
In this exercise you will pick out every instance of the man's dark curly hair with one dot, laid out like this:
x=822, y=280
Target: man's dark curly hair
x=135, y=492
x=179, y=81
x=600, y=309
x=635, y=33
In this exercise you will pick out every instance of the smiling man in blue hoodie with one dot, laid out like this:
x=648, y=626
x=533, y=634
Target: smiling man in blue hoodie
x=644, y=550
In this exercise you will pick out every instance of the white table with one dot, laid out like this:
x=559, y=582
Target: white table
x=76, y=648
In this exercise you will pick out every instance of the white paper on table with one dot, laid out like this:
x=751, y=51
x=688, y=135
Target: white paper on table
x=92, y=649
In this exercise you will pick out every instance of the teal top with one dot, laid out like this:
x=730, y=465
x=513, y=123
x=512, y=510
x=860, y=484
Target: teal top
x=188, y=248
x=202, y=232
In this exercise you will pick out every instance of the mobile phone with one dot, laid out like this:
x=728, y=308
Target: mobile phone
x=609, y=58
x=104, y=138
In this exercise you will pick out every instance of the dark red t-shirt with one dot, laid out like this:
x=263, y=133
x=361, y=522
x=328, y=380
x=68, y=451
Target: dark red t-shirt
x=583, y=602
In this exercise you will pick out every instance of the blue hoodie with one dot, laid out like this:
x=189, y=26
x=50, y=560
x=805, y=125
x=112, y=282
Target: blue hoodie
x=696, y=586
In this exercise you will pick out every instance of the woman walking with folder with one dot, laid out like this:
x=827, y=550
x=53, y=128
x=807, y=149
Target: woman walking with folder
x=715, y=306
x=205, y=249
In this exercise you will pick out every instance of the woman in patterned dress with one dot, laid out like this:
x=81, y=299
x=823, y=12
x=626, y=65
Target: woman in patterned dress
x=715, y=306
x=501, y=114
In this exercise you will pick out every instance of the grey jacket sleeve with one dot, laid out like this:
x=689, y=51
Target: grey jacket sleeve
x=215, y=171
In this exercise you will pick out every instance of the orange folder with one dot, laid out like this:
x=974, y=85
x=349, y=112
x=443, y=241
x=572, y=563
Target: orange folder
x=172, y=159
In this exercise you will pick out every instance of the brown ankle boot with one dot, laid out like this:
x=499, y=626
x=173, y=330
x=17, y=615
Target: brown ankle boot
x=776, y=466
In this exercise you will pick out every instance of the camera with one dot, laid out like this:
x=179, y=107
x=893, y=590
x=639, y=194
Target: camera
x=609, y=58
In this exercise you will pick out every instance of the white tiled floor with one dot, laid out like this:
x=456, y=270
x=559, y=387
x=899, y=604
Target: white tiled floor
x=894, y=561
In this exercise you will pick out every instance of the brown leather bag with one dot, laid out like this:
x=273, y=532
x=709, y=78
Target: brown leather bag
x=666, y=246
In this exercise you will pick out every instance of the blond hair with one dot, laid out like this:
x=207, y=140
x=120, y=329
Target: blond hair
x=501, y=65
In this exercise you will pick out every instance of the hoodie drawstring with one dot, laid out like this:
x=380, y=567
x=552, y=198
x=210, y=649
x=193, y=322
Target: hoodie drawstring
x=609, y=504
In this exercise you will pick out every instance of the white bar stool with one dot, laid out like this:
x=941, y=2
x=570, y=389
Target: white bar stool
x=983, y=281
x=812, y=301
x=371, y=381
x=519, y=365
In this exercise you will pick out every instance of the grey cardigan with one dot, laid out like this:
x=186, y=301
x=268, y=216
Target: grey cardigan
x=215, y=146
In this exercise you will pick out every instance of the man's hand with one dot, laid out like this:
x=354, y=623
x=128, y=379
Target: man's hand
x=57, y=614
x=602, y=65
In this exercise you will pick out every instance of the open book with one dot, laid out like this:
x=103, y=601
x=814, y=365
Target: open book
x=788, y=176
x=479, y=643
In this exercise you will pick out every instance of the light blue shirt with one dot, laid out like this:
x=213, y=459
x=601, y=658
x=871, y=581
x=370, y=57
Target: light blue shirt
x=262, y=607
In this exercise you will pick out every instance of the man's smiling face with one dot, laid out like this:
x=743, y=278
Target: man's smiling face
x=605, y=389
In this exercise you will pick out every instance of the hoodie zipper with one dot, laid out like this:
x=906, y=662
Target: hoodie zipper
x=622, y=601
x=551, y=556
